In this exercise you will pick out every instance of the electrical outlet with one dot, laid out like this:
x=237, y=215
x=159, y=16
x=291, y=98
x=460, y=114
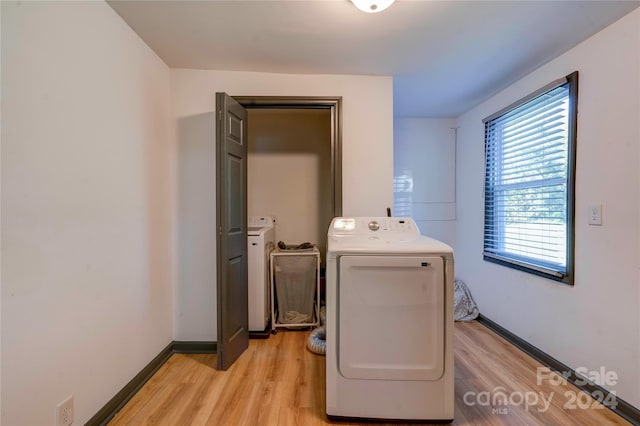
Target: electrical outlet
x=64, y=412
x=595, y=214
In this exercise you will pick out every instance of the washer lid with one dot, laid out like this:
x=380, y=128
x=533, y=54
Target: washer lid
x=373, y=245
x=254, y=231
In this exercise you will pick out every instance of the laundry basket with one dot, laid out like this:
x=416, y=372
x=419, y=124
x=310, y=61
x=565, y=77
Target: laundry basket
x=295, y=276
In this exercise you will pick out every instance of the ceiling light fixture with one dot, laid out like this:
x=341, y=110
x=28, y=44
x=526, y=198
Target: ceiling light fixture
x=372, y=6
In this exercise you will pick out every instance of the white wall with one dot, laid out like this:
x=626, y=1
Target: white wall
x=367, y=164
x=86, y=208
x=289, y=172
x=424, y=169
x=195, y=262
x=596, y=322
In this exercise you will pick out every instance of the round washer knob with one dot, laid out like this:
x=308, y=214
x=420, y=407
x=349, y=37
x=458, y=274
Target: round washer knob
x=374, y=226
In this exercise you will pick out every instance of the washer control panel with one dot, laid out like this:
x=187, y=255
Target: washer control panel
x=387, y=227
x=261, y=221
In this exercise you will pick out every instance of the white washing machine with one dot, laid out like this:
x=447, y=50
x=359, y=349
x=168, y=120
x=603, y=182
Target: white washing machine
x=261, y=239
x=389, y=335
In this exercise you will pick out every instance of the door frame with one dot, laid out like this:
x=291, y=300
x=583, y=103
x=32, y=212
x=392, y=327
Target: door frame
x=332, y=103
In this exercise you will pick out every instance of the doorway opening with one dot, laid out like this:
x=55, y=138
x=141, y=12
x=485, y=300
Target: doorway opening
x=286, y=143
x=258, y=108
x=289, y=172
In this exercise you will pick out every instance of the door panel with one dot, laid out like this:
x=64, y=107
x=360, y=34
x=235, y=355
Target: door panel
x=234, y=291
x=231, y=212
x=235, y=183
x=391, y=317
x=235, y=128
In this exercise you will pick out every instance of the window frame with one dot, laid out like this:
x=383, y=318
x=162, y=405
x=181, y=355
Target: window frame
x=567, y=277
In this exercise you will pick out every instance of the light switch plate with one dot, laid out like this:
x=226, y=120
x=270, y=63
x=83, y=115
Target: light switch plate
x=595, y=214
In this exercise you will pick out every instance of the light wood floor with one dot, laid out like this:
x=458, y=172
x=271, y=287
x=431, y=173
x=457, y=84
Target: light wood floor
x=279, y=382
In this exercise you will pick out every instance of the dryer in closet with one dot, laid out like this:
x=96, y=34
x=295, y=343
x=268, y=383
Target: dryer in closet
x=389, y=321
x=261, y=239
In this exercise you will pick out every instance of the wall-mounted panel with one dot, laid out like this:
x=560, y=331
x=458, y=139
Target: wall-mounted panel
x=425, y=174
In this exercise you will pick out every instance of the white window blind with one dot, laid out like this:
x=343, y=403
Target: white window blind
x=528, y=181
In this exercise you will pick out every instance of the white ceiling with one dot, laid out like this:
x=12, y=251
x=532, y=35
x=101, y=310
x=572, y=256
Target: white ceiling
x=445, y=56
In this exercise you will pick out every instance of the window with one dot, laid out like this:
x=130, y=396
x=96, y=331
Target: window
x=529, y=182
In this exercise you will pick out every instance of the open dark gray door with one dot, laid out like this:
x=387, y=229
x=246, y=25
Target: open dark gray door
x=231, y=209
